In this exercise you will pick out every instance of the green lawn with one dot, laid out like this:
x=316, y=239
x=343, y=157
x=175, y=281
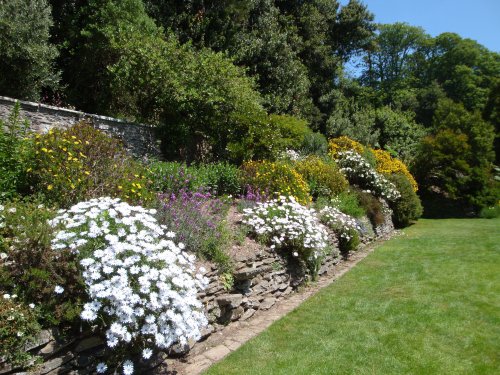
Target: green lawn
x=427, y=302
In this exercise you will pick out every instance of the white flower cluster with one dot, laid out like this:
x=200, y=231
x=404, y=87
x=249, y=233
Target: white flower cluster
x=341, y=223
x=358, y=170
x=290, y=154
x=138, y=280
x=287, y=223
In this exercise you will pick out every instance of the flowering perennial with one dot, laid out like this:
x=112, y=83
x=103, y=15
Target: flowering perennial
x=345, y=226
x=287, y=224
x=359, y=171
x=139, y=281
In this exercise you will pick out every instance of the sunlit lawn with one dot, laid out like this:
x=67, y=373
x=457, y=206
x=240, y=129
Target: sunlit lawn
x=427, y=302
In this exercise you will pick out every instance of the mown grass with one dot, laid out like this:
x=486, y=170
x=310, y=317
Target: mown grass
x=427, y=302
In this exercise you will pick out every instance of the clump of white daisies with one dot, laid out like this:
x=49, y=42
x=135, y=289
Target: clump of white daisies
x=359, y=171
x=284, y=223
x=345, y=227
x=141, y=285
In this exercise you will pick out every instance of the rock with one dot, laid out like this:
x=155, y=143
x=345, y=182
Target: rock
x=250, y=273
x=214, y=315
x=283, y=286
x=217, y=353
x=248, y=314
x=89, y=343
x=43, y=338
x=243, y=286
x=237, y=313
x=231, y=300
x=267, y=303
x=207, y=331
x=54, y=364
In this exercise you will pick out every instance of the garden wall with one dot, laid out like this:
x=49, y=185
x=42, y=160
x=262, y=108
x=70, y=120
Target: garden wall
x=138, y=139
x=260, y=281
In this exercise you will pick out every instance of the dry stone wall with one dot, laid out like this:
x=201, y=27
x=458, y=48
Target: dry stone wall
x=260, y=281
x=139, y=139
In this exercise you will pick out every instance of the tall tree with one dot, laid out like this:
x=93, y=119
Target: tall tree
x=26, y=56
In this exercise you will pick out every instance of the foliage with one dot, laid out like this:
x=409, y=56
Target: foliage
x=202, y=104
x=31, y=269
x=399, y=132
x=352, y=120
x=314, y=144
x=490, y=212
x=82, y=162
x=347, y=203
x=172, y=177
x=276, y=178
x=14, y=154
x=198, y=219
x=268, y=46
x=287, y=225
x=407, y=208
x=342, y=144
x=372, y=207
x=26, y=56
x=18, y=329
x=323, y=176
x=360, y=173
x=456, y=159
x=86, y=32
x=345, y=227
x=141, y=286
x=388, y=165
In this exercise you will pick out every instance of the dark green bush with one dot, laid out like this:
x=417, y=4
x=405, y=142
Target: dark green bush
x=372, y=207
x=31, y=269
x=14, y=154
x=348, y=203
x=490, y=212
x=350, y=241
x=407, y=208
x=314, y=144
x=217, y=178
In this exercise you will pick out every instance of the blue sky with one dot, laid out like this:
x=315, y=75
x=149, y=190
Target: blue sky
x=478, y=20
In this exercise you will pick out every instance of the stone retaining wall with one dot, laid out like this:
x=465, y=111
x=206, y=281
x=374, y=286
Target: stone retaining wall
x=260, y=281
x=139, y=140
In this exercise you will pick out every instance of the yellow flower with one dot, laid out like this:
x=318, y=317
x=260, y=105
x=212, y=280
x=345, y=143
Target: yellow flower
x=50, y=187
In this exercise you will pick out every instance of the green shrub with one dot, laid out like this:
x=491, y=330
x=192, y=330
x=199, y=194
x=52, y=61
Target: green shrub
x=314, y=144
x=323, y=177
x=217, y=178
x=490, y=212
x=292, y=131
x=408, y=207
x=32, y=269
x=348, y=203
x=14, y=152
x=267, y=137
x=276, y=178
x=372, y=207
x=18, y=329
x=80, y=163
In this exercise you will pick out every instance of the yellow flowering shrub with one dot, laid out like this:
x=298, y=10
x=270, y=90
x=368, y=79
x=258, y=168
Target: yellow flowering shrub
x=324, y=178
x=388, y=165
x=80, y=163
x=343, y=143
x=277, y=178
